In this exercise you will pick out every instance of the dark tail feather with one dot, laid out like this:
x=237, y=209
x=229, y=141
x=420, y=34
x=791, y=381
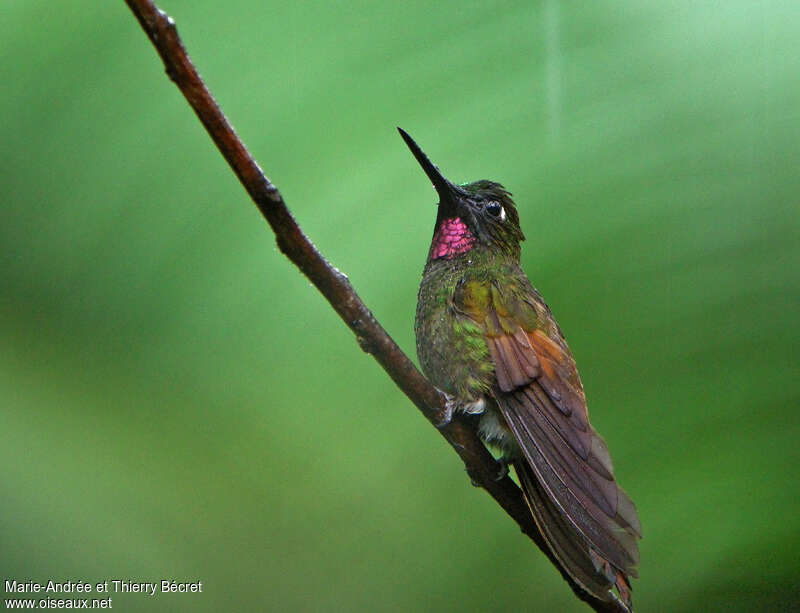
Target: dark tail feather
x=588, y=568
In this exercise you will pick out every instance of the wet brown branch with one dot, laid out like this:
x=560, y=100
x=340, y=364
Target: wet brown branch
x=480, y=465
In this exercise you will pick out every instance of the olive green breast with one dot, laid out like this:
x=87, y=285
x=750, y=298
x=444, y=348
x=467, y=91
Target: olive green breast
x=451, y=347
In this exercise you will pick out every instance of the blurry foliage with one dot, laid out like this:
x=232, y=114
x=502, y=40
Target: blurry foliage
x=177, y=402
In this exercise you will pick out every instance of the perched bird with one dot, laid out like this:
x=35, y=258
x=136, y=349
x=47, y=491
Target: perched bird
x=487, y=339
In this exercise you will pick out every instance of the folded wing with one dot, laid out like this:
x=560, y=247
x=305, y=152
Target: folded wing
x=567, y=473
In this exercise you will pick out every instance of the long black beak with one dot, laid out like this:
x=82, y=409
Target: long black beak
x=447, y=191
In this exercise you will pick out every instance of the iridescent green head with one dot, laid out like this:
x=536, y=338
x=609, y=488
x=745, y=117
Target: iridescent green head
x=480, y=213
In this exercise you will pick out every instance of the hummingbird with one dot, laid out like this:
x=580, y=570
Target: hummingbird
x=486, y=337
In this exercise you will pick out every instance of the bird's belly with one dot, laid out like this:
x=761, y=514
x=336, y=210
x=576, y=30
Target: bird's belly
x=451, y=348
x=453, y=357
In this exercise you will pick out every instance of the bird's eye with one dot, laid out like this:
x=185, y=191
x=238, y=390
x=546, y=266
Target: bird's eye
x=495, y=209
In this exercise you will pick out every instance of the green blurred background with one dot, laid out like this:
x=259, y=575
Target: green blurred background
x=176, y=401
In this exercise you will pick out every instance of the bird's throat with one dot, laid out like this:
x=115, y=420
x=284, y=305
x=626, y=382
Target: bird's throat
x=452, y=237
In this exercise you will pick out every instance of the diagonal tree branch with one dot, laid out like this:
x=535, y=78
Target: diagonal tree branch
x=334, y=285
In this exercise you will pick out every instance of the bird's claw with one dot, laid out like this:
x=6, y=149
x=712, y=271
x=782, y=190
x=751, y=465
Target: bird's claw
x=503, y=472
x=445, y=416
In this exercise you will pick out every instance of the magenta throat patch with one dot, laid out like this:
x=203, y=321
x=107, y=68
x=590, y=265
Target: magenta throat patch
x=451, y=238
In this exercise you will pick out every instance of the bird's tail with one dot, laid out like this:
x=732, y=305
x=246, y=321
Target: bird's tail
x=587, y=567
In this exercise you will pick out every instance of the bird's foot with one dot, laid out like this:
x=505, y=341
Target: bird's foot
x=499, y=476
x=502, y=473
x=445, y=416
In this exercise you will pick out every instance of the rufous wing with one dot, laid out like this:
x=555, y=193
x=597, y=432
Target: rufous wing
x=565, y=468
